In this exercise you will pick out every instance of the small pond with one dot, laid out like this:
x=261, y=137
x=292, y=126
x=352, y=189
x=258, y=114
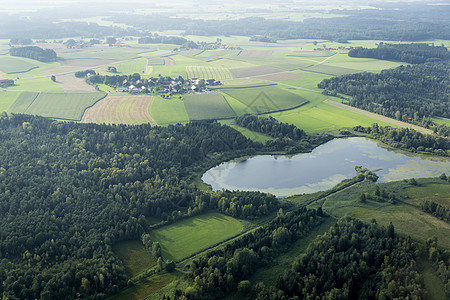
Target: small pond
x=322, y=168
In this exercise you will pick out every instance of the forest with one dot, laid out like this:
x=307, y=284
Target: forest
x=407, y=93
x=416, y=53
x=34, y=52
x=408, y=139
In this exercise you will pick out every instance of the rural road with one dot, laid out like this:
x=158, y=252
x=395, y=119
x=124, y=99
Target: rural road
x=378, y=117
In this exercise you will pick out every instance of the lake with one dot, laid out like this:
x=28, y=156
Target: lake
x=321, y=169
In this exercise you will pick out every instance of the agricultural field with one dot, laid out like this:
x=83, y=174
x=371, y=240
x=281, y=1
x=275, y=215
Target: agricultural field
x=134, y=257
x=253, y=135
x=120, y=109
x=188, y=236
x=138, y=65
x=7, y=99
x=58, y=106
x=207, y=106
x=202, y=72
x=12, y=65
x=168, y=111
x=265, y=99
x=254, y=71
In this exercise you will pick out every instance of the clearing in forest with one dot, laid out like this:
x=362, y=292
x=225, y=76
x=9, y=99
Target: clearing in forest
x=121, y=109
x=134, y=256
x=188, y=236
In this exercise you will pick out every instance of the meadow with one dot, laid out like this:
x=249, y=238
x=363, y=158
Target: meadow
x=134, y=256
x=203, y=72
x=265, y=99
x=12, y=65
x=7, y=99
x=168, y=111
x=207, y=106
x=188, y=236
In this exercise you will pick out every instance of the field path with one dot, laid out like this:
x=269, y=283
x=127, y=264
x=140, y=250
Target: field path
x=121, y=109
x=379, y=117
x=327, y=58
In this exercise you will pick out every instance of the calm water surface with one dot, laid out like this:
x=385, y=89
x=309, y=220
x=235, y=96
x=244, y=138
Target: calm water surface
x=321, y=169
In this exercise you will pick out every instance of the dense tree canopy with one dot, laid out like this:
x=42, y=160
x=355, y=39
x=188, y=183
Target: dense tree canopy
x=34, y=52
x=407, y=93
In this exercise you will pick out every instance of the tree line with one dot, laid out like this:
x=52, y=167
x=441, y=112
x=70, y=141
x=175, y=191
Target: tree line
x=440, y=211
x=406, y=93
x=34, y=52
x=408, y=139
x=411, y=53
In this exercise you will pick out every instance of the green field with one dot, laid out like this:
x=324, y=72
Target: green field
x=203, y=72
x=207, y=106
x=407, y=219
x=168, y=111
x=439, y=193
x=134, y=66
x=155, y=61
x=265, y=99
x=7, y=99
x=134, y=257
x=254, y=71
x=253, y=135
x=59, y=106
x=331, y=70
x=22, y=102
x=13, y=65
x=188, y=236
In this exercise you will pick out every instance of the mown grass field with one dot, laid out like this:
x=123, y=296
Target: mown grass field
x=188, y=236
x=202, y=72
x=11, y=65
x=207, y=106
x=134, y=257
x=439, y=193
x=265, y=99
x=168, y=111
x=7, y=99
x=59, y=106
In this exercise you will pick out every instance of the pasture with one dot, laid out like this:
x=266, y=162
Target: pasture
x=120, y=109
x=134, y=256
x=436, y=192
x=12, y=65
x=265, y=99
x=253, y=135
x=58, y=106
x=203, y=72
x=207, y=106
x=254, y=71
x=188, y=236
x=168, y=111
x=138, y=65
x=7, y=99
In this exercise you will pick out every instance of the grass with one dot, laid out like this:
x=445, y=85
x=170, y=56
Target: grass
x=188, y=236
x=323, y=117
x=146, y=287
x=441, y=121
x=7, y=99
x=22, y=102
x=168, y=111
x=203, y=72
x=331, y=70
x=207, y=106
x=254, y=71
x=283, y=262
x=254, y=136
x=38, y=84
x=134, y=66
x=13, y=65
x=59, y=106
x=407, y=219
x=265, y=99
x=134, y=257
x=439, y=193
x=433, y=284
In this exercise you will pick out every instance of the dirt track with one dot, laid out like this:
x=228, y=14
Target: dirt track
x=379, y=117
x=121, y=109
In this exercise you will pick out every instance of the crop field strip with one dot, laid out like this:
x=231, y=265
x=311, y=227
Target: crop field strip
x=168, y=111
x=207, y=106
x=120, y=109
x=266, y=99
x=204, y=72
x=7, y=99
x=59, y=106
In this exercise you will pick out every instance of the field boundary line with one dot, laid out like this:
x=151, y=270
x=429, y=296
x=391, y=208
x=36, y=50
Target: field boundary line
x=86, y=108
x=378, y=117
x=34, y=99
x=335, y=53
